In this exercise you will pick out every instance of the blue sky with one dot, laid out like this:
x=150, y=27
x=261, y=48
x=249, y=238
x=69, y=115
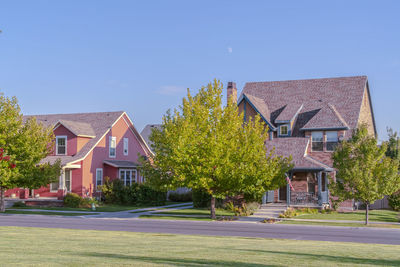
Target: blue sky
x=84, y=56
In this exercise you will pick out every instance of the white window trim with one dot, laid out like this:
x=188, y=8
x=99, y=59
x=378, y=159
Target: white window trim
x=326, y=139
x=323, y=141
x=133, y=179
x=126, y=146
x=66, y=139
x=101, y=183
x=109, y=146
x=287, y=127
x=70, y=181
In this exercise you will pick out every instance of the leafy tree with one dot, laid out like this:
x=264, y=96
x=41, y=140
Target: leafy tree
x=25, y=144
x=364, y=172
x=205, y=146
x=393, y=144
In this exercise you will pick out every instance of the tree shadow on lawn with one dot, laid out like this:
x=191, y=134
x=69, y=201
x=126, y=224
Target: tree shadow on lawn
x=341, y=259
x=175, y=261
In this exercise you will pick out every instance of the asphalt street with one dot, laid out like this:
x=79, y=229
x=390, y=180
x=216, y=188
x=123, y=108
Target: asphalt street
x=241, y=229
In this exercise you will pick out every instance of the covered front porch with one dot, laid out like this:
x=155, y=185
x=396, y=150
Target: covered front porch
x=305, y=188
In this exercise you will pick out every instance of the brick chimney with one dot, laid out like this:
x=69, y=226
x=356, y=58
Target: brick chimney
x=231, y=91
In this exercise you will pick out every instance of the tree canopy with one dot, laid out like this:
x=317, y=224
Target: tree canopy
x=205, y=146
x=24, y=144
x=364, y=172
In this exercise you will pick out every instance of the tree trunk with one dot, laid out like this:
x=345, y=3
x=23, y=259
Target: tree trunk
x=366, y=213
x=213, y=208
x=2, y=204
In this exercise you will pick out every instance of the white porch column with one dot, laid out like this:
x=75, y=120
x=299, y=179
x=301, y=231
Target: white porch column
x=62, y=180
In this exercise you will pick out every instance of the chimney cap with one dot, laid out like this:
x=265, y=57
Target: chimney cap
x=231, y=84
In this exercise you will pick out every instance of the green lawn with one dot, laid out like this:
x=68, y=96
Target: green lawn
x=341, y=224
x=48, y=213
x=374, y=215
x=102, y=208
x=63, y=247
x=166, y=217
x=198, y=211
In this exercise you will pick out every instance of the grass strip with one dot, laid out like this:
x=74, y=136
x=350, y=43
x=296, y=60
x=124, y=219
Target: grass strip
x=48, y=213
x=27, y=246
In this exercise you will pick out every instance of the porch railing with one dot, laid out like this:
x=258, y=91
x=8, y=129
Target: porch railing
x=297, y=197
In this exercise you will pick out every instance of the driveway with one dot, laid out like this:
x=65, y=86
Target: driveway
x=241, y=229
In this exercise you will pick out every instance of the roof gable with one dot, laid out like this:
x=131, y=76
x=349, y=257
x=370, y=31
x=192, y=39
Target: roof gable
x=77, y=128
x=345, y=94
x=326, y=118
x=289, y=112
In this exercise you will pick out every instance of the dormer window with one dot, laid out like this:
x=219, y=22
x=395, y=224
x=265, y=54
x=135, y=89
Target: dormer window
x=331, y=140
x=317, y=139
x=284, y=129
x=61, y=145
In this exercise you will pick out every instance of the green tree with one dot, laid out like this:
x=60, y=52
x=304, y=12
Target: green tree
x=25, y=144
x=364, y=172
x=205, y=146
x=393, y=144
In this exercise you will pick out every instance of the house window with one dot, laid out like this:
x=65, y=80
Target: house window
x=99, y=177
x=126, y=145
x=317, y=141
x=67, y=175
x=113, y=145
x=284, y=130
x=128, y=176
x=331, y=140
x=54, y=186
x=61, y=145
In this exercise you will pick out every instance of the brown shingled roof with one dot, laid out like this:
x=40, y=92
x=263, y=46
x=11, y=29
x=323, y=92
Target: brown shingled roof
x=296, y=147
x=327, y=117
x=289, y=112
x=345, y=94
x=100, y=123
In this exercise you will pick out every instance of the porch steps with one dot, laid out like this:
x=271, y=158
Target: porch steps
x=266, y=211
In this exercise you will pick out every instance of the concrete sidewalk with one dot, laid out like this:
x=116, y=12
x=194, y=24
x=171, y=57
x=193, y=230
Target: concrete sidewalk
x=117, y=214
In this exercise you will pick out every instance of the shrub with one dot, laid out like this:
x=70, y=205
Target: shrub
x=201, y=199
x=19, y=204
x=180, y=197
x=242, y=210
x=147, y=195
x=394, y=201
x=289, y=213
x=115, y=192
x=72, y=200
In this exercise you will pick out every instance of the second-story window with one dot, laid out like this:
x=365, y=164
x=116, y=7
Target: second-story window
x=331, y=140
x=126, y=146
x=284, y=130
x=61, y=145
x=113, y=146
x=317, y=139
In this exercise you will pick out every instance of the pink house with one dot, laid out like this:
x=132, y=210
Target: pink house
x=91, y=146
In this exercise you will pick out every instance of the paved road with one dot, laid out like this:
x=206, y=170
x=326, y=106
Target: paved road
x=297, y=232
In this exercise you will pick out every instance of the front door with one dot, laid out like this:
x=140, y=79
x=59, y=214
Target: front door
x=283, y=193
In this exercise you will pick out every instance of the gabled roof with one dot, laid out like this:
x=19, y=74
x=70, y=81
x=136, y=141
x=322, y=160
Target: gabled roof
x=344, y=93
x=289, y=112
x=146, y=132
x=297, y=148
x=78, y=128
x=259, y=106
x=100, y=123
x=326, y=118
